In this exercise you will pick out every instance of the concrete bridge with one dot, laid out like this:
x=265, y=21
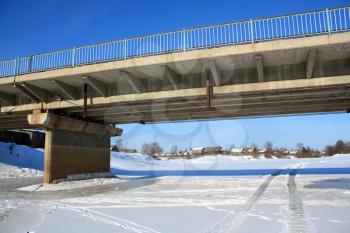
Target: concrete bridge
x=290, y=64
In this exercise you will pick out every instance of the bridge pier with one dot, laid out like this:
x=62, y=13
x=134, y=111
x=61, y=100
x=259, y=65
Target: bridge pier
x=73, y=146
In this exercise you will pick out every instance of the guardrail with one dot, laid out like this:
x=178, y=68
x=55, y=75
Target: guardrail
x=249, y=31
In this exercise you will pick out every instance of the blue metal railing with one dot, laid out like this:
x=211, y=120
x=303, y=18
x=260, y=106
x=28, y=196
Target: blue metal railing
x=249, y=31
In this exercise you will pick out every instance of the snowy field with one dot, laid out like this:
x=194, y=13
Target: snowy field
x=208, y=194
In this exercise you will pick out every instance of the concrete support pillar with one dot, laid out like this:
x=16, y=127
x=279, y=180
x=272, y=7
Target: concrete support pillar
x=73, y=146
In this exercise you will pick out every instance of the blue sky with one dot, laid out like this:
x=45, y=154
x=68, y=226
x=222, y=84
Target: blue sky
x=29, y=27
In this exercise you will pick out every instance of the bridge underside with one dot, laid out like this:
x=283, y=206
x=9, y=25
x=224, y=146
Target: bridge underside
x=291, y=76
x=333, y=98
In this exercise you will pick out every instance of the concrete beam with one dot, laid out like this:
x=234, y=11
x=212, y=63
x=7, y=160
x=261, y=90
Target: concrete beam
x=230, y=97
x=27, y=93
x=68, y=91
x=134, y=82
x=215, y=72
x=52, y=121
x=231, y=101
x=310, y=62
x=173, y=77
x=259, y=67
x=99, y=86
x=243, y=113
x=39, y=93
x=7, y=98
x=323, y=82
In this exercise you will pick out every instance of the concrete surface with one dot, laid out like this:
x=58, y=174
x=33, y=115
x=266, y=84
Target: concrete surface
x=288, y=76
x=73, y=146
x=68, y=153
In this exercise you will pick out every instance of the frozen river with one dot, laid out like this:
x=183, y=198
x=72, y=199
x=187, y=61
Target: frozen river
x=282, y=202
x=207, y=194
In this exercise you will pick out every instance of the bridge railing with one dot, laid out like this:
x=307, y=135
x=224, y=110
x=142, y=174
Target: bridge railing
x=249, y=31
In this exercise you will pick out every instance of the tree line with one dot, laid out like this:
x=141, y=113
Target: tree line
x=301, y=151
x=340, y=147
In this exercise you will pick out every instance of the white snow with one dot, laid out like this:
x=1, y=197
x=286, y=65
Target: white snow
x=225, y=165
x=9, y=171
x=21, y=156
x=283, y=203
x=71, y=184
x=207, y=194
x=19, y=161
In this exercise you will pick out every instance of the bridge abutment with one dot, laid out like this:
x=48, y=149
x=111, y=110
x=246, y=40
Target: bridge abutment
x=73, y=146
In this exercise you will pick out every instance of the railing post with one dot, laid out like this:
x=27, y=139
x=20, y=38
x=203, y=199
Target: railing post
x=328, y=21
x=125, y=48
x=15, y=67
x=184, y=39
x=30, y=64
x=73, y=57
x=251, y=31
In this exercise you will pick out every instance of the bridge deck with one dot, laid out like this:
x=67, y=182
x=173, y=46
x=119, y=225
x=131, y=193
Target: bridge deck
x=287, y=76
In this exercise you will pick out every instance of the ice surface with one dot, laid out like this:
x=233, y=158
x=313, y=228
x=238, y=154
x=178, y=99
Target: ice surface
x=208, y=194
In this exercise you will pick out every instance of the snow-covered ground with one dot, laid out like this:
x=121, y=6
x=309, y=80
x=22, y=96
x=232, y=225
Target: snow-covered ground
x=20, y=161
x=207, y=194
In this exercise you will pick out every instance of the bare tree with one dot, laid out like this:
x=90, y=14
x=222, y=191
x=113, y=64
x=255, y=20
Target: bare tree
x=231, y=147
x=281, y=152
x=268, y=147
x=119, y=143
x=300, y=147
x=254, y=148
x=330, y=150
x=151, y=148
x=340, y=146
x=173, y=149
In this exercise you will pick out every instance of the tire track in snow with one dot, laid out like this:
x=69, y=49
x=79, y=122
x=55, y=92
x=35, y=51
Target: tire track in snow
x=232, y=222
x=297, y=220
x=111, y=220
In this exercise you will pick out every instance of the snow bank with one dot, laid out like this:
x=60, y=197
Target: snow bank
x=131, y=156
x=18, y=161
x=9, y=171
x=21, y=156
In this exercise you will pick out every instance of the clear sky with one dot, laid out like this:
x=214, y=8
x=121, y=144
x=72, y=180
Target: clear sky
x=29, y=27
